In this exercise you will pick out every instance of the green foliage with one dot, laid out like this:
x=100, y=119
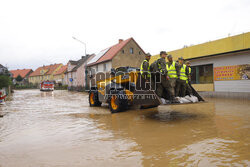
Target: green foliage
x=63, y=87
x=4, y=81
x=27, y=86
x=19, y=78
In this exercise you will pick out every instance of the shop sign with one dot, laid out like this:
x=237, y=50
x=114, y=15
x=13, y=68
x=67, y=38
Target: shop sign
x=236, y=72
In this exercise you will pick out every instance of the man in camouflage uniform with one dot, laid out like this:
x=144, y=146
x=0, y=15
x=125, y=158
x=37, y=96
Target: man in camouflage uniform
x=159, y=74
x=189, y=89
x=181, y=84
x=145, y=68
x=173, y=74
x=145, y=73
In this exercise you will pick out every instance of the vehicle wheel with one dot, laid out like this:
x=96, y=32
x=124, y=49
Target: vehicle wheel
x=93, y=99
x=118, y=102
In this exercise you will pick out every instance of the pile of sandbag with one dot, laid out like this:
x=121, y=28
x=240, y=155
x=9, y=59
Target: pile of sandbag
x=188, y=99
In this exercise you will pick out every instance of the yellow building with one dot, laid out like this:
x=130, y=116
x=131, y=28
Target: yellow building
x=44, y=73
x=222, y=65
x=60, y=74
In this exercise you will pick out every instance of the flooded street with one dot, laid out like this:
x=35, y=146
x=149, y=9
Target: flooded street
x=60, y=129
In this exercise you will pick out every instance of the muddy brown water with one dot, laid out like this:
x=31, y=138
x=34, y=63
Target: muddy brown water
x=59, y=129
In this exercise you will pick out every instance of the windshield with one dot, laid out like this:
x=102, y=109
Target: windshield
x=47, y=82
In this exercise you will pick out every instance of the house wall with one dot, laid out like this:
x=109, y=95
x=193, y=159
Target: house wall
x=73, y=76
x=128, y=59
x=80, y=75
x=239, y=58
x=59, y=78
x=35, y=79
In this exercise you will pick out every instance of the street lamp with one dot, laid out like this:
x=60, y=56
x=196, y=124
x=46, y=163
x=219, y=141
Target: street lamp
x=86, y=72
x=82, y=43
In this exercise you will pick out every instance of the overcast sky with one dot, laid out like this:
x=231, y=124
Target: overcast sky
x=39, y=32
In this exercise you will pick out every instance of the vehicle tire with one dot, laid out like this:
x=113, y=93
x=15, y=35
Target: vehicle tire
x=93, y=99
x=118, y=102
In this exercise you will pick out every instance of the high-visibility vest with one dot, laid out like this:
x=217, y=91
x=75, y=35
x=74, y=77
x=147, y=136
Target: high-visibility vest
x=159, y=66
x=142, y=71
x=183, y=75
x=189, y=68
x=172, y=70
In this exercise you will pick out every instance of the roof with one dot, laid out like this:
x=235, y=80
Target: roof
x=1, y=66
x=98, y=56
x=216, y=47
x=73, y=62
x=61, y=70
x=22, y=72
x=82, y=61
x=51, y=68
x=112, y=51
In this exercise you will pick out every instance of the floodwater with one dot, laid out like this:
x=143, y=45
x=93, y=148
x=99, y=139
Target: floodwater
x=59, y=129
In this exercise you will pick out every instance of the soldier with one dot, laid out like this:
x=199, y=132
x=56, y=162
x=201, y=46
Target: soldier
x=158, y=69
x=182, y=81
x=145, y=69
x=189, y=89
x=145, y=73
x=173, y=74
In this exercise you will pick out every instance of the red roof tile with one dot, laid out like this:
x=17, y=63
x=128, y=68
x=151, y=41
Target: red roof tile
x=50, y=68
x=22, y=73
x=113, y=51
x=61, y=70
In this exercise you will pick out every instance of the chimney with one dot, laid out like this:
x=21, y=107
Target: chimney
x=120, y=40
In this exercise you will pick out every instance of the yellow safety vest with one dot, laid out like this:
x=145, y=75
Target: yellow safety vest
x=159, y=66
x=142, y=71
x=189, y=70
x=183, y=75
x=172, y=70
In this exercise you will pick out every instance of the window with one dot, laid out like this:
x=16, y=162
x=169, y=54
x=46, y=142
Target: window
x=131, y=50
x=202, y=74
x=139, y=52
x=104, y=67
x=123, y=51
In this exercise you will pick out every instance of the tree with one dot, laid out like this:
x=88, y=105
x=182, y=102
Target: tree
x=19, y=78
x=4, y=81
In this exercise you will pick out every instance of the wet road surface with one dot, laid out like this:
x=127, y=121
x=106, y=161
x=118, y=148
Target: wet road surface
x=60, y=129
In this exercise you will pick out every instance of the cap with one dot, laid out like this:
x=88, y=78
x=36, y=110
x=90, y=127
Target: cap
x=180, y=58
x=187, y=62
x=163, y=52
x=148, y=54
x=170, y=56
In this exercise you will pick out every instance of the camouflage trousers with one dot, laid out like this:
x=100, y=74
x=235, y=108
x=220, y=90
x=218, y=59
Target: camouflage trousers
x=181, y=87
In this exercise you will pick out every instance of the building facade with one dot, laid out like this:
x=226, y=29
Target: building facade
x=219, y=66
x=124, y=53
x=24, y=73
x=44, y=73
x=75, y=75
x=59, y=75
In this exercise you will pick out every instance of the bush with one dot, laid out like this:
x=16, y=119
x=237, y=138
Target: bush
x=29, y=86
x=4, y=81
x=63, y=87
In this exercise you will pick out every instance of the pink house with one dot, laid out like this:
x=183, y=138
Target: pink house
x=75, y=76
